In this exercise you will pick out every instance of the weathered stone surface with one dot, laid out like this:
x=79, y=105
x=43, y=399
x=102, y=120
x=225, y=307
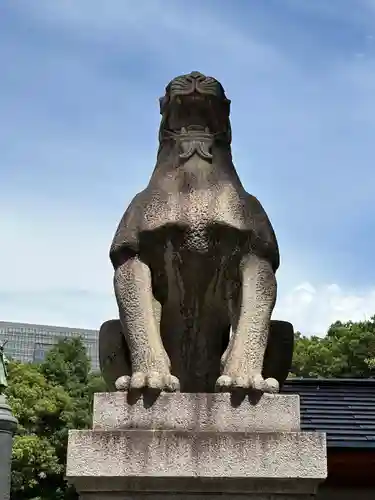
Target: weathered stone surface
x=194, y=258
x=197, y=412
x=242, y=456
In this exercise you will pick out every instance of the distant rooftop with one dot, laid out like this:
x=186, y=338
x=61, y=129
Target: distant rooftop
x=343, y=408
x=7, y=324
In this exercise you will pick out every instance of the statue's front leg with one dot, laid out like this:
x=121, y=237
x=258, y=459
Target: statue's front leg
x=140, y=318
x=250, y=311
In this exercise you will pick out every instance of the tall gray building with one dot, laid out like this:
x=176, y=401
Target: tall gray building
x=30, y=343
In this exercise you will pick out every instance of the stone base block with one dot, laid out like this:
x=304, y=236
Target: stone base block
x=190, y=446
x=197, y=412
x=173, y=454
x=205, y=462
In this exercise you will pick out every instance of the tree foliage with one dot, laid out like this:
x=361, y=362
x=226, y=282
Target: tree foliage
x=347, y=351
x=42, y=411
x=48, y=400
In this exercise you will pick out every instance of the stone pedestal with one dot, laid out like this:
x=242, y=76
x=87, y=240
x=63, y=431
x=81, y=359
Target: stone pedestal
x=195, y=446
x=8, y=425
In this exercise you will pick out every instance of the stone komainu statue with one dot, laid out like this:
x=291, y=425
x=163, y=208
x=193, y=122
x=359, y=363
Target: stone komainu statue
x=195, y=258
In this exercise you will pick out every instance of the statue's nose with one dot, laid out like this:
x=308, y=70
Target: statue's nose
x=196, y=75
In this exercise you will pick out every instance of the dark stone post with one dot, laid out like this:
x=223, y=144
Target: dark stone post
x=8, y=425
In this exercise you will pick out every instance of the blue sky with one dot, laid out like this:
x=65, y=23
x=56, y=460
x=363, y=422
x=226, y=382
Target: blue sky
x=78, y=135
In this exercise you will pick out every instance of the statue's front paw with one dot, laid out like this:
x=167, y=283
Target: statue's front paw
x=255, y=381
x=151, y=380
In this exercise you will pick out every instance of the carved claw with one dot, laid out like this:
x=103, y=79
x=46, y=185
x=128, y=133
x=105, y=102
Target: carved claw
x=225, y=383
x=152, y=380
x=122, y=383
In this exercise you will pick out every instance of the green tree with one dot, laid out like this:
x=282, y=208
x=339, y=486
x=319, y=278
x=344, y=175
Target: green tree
x=49, y=399
x=67, y=365
x=348, y=350
x=40, y=409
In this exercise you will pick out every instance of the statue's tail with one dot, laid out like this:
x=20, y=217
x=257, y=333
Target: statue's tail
x=279, y=352
x=114, y=355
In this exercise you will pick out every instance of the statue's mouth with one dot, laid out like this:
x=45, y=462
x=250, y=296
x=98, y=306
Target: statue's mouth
x=193, y=113
x=192, y=99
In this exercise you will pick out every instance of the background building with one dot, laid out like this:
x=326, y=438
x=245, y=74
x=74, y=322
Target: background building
x=345, y=410
x=30, y=343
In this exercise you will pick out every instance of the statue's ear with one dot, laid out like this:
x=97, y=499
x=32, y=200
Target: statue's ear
x=229, y=132
x=161, y=129
x=163, y=102
x=229, y=128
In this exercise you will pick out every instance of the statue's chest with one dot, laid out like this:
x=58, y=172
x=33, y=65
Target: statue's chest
x=196, y=207
x=198, y=202
x=195, y=174
x=201, y=209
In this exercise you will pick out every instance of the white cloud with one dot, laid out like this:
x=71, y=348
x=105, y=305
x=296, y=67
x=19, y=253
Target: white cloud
x=54, y=264
x=72, y=308
x=312, y=309
x=154, y=28
x=53, y=247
